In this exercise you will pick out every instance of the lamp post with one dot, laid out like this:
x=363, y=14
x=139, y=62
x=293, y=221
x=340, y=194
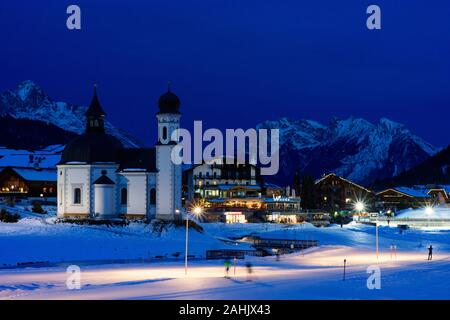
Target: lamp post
x=197, y=211
x=429, y=211
x=376, y=236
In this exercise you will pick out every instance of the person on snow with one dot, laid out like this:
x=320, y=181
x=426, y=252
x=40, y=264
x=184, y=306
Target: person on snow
x=249, y=270
x=227, y=267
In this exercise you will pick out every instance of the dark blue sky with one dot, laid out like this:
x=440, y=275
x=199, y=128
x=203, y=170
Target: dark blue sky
x=235, y=63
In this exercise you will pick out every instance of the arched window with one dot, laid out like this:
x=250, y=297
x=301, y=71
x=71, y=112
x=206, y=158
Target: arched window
x=123, y=196
x=77, y=196
x=152, y=196
x=164, y=133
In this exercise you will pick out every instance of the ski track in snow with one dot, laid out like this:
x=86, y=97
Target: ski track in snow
x=315, y=273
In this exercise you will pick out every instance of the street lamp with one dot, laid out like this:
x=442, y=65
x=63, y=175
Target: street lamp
x=429, y=211
x=359, y=206
x=376, y=236
x=197, y=211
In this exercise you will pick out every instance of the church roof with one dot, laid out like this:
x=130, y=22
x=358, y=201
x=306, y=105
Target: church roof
x=169, y=103
x=104, y=180
x=92, y=147
x=95, y=109
x=138, y=159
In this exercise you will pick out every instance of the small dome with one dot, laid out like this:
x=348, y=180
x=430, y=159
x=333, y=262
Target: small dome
x=169, y=103
x=92, y=147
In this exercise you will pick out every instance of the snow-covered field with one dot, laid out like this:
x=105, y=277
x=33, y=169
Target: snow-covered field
x=318, y=274
x=122, y=262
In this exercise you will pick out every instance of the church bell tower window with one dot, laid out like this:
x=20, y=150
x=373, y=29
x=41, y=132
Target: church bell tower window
x=164, y=133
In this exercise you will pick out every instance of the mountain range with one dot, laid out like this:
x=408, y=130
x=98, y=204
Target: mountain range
x=434, y=170
x=353, y=148
x=33, y=110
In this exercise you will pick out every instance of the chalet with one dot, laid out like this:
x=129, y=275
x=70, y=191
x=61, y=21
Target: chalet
x=403, y=197
x=28, y=183
x=335, y=193
x=440, y=193
x=235, y=192
x=221, y=180
x=244, y=209
x=29, y=175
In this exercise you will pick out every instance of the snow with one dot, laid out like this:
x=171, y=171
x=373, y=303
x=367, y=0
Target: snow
x=37, y=239
x=318, y=274
x=47, y=158
x=361, y=150
x=122, y=263
x=36, y=175
x=435, y=213
x=412, y=192
x=29, y=101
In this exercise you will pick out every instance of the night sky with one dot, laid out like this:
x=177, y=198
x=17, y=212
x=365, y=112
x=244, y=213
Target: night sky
x=235, y=63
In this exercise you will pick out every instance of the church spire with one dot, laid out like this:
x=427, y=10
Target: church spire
x=95, y=115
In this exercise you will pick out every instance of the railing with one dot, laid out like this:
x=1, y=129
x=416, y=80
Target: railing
x=230, y=254
x=284, y=243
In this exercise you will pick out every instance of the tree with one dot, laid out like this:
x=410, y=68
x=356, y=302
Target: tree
x=307, y=192
x=37, y=208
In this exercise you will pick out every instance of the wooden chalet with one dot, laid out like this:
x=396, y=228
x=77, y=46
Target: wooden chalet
x=335, y=193
x=403, y=197
x=27, y=183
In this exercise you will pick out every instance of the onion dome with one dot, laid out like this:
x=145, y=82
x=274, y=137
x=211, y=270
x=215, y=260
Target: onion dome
x=169, y=102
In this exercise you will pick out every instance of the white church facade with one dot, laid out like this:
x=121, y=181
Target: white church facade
x=100, y=179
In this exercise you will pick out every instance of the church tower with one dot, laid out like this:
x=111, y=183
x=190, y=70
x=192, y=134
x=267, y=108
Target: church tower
x=168, y=180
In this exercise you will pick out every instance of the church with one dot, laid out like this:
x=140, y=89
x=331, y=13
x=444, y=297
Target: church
x=98, y=178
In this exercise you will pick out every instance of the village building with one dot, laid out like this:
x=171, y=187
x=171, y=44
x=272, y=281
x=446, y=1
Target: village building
x=397, y=198
x=237, y=193
x=440, y=193
x=100, y=179
x=32, y=184
x=27, y=176
x=334, y=194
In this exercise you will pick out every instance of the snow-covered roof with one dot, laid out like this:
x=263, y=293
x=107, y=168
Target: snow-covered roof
x=30, y=174
x=410, y=192
x=445, y=188
x=343, y=179
x=231, y=186
x=417, y=193
x=423, y=213
x=30, y=160
x=272, y=186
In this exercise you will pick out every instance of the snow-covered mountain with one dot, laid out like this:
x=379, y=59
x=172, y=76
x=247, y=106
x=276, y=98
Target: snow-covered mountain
x=29, y=101
x=354, y=148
